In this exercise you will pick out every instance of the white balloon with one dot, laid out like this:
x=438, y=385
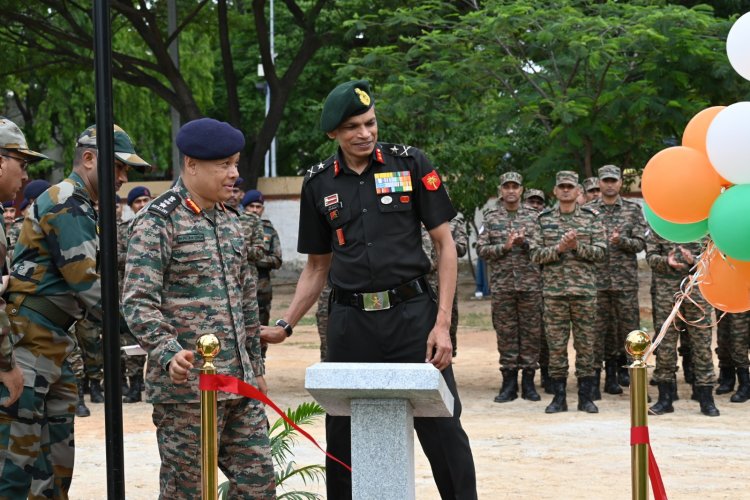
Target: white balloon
x=738, y=46
x=728, y=143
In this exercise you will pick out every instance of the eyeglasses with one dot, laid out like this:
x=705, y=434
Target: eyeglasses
x=24, y=163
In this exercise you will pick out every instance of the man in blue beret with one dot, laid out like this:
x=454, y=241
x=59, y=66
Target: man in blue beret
x=138, y=197
x=237, y=193
x=187, y=275
x=361, y=212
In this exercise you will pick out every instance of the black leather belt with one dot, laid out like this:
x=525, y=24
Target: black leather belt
x=378, y=301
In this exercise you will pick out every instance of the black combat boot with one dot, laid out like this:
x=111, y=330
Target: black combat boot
x=81, y=409
x=559, y=402
x=95, y=386
x=675, y=396
x=596, y=393
x=623, y=375
x=687, y=367
x=509, y=390
x=528, y=391
x=584, y=395
x=134, y=392
x=610, y=378
x=706, y=395
x=743, y=391
x=664, y=404
x=726, y=380
x=695, y=394
x=546, y=381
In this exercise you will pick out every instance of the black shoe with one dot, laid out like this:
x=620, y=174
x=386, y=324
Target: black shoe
x=596, y=393
x=585, y=387
x=528, y=391
x=134, y=393
x=610, y=378
x=509, y=389
x=726, y=380
x=708, y=408
x=559, y=402
x=95, y=386
x=623, y=375
x=743, y=391
x=81, y=409
x=664, y=404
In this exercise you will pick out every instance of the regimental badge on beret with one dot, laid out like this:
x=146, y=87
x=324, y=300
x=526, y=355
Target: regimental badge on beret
x=348, y=99
x=363, y=97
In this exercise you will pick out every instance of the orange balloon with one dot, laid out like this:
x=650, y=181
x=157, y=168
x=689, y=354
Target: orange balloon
x=726, y=283
x=696, y=130
x=680, y=185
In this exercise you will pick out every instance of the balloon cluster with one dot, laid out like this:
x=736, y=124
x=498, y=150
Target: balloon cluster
x=703, y=188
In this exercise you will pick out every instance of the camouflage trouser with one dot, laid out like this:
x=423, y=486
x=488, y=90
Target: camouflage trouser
x=543, y=347
x=244, y=451
x=321, y=317
x=36, y=433
x=265, y=296
x=132, y=366
x=699, y=337
x=89, y=339
x=732, y=336
x=617, y=314
x=560, y=314
x=517, y=318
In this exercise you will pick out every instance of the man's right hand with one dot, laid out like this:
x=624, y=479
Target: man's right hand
x=180, y=366
x=272, y=334
x=13, y=380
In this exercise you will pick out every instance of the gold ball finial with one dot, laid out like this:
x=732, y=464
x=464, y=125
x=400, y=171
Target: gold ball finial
x=208, y=346
x=637, y=343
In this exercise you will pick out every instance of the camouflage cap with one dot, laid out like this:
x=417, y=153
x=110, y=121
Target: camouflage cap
x=530, y=193
x=610, y=172
x=12, y=138
x=511, y=177
x=348, y=99
x=566, y=177
x=124, y=149
x=590, y=183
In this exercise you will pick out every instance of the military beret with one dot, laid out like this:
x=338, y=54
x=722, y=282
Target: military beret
x=24, y=203
x=590, y=183
x=511, y=177
x=530, y=193
x=239, y=182
x=8, y=204
x=348, y=99
x=34, y=188
x=252, y=196
x=124, y=149
x=12, y=138
x=610, y=172
x=566, y=177
x=209, y=139
x=137, y=192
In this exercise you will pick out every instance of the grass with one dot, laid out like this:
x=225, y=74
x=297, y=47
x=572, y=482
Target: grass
x=480, y=320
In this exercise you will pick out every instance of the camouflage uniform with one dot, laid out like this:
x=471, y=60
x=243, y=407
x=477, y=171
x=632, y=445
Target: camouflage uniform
x=252, y=229
x=515, y=283
x=461, y=239
x=271, y=259
x=321, y=318
x=54, y=281
x=132, y=366
x=13, y=231
x=187, y=274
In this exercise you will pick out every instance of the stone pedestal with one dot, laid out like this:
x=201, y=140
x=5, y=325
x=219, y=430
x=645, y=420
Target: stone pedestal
x=382, y=400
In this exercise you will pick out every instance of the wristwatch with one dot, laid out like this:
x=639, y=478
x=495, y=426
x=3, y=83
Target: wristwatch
x=286, y=326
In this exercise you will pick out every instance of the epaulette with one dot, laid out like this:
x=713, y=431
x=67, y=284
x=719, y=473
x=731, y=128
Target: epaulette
x=317, y=168
x=546, y=211
x=164, y=204
x=397, y=149
x=232, y=209
x=590, y=209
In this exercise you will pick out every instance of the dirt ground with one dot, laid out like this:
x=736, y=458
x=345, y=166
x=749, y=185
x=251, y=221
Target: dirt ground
x=520, y=452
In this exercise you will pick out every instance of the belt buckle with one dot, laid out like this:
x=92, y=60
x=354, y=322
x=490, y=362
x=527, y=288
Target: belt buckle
x=376, y=301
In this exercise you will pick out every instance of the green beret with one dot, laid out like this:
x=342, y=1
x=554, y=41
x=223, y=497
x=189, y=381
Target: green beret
x=348, y=99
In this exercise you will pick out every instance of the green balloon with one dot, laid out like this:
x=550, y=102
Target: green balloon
x=678, y=233
x=729, y=222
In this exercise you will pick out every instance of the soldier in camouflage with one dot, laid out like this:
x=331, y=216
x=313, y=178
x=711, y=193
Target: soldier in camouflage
x=534, y=199
x=617, y=278
x=516, y=286
x=54, y=283
x=567, y=242
x=727, y=372
x=670, y=264
x=253, y=201
x=591, y=188
x=30, y=193
x=187, y=275
x=733, y=335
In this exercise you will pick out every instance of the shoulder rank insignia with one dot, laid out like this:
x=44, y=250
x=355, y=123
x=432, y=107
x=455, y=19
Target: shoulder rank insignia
x=164, y=204
x=589, y=209
x=431, y=181
x=316, y=169
x=397, y=149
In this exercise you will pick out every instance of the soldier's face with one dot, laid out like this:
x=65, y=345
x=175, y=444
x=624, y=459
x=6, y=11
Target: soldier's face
x=213, y=180
x=118, y=210
x=511, y=192
x=535, y=202
x=593, y=194
x=256, y=208
x=237, y=194
x=9, y=215
x=566, y=192
x=610, y=187
x=357, y=135
x=12, y=173
x=139, y=203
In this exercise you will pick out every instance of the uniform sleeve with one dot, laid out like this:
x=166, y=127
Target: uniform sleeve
x=252, y=228
x=251, y=317
x=459, y=235
x=596, y=250
x=539, y=253
x=485, y=248
x=7, y=361
x=122, y=250
x=149, y=252
x=433, y=205
x=655, y=256
x=314, y=236
x=73, y=246
x=272, y=252
x=636, y=241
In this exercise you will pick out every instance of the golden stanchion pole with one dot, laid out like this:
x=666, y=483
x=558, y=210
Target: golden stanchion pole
x=208, y=347
x=637, y=344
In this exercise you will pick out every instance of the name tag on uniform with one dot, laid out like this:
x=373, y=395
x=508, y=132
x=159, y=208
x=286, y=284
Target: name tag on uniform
x=393, y=182
x=190, y=237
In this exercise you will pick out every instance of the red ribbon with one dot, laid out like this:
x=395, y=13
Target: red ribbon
x=639, y=435
x=234, y=385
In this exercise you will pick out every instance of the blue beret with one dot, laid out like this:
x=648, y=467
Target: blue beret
x=348, y=99
x=252, y=196
x=137, y=192
x=8, y=204
x=24, y=203
x=34, y=188
x=239, y=182
x=209, y=139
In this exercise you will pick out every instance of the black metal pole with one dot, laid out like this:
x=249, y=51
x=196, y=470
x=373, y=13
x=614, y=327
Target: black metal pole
x=108, y=254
